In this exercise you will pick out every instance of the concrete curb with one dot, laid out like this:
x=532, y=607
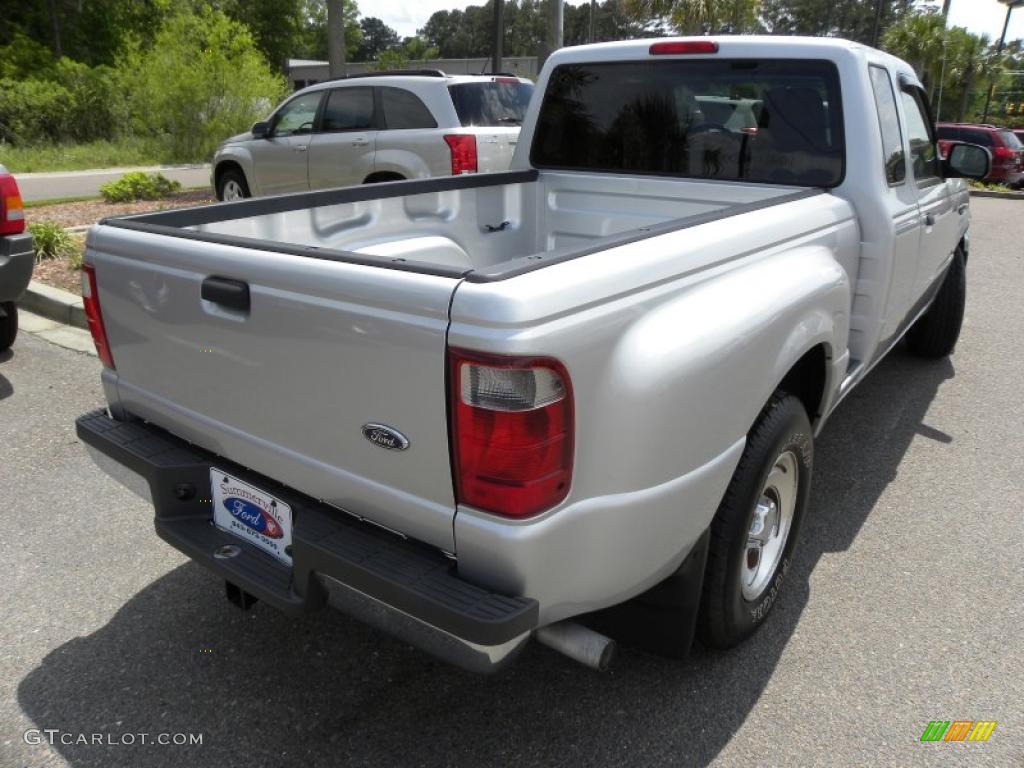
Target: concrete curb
x=55, y=304
x=998, y=195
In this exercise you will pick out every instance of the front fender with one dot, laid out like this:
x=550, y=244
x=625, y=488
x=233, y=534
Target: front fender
x=241, y=157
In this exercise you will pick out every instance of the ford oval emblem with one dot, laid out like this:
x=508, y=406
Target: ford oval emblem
x=251, y=516
x=385, y=437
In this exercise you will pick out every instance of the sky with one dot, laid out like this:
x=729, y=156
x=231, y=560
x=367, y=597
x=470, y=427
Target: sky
x=979, y=16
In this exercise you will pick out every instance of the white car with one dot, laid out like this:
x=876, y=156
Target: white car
x=378, y=126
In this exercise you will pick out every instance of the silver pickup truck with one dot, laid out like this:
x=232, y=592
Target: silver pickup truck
x=571, y=401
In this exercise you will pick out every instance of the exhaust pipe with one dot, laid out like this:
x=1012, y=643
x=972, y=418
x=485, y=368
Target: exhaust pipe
x=579, y=643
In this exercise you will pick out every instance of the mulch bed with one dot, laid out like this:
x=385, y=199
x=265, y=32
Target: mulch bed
x=57, y=272
x=86, y=212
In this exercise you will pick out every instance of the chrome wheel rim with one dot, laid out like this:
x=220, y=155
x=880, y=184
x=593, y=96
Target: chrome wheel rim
x=232, y=190
x=770, y=525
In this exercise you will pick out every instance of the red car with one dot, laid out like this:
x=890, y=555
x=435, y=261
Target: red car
x=1007, y=150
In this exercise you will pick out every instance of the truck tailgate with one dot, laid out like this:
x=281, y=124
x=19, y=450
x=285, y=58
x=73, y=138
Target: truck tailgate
x=287, y=386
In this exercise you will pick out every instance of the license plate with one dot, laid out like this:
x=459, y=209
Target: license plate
x=251, y=514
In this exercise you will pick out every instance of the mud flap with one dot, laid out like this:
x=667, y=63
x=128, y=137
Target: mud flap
x=662, y=620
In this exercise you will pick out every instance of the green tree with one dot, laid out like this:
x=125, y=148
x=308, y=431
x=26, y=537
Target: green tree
x=400, y=57
x=852, y=19
x=279, y=27
x=960, y=65
x=377, y=38
x=315, y=33
x=611, y=22
x=694, y=17
x=201, y=80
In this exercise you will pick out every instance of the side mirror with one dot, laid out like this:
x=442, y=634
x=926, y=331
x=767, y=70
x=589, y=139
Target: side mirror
x=261, y=130
x=966, y=161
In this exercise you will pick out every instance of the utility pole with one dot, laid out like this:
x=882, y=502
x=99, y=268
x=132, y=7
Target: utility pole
x=876, y=33
x=945, y=9
x=336, y=37
x=590, y=30
x=1010, y=5
x=499, y=35
x=555, y=35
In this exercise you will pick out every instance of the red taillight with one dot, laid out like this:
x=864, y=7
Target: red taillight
x=463, y=149
x=681, y=47
x=512, y=432
x=93, y=316
x=1004, y=153
x=12, y=214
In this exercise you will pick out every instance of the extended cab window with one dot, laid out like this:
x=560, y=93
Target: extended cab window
x=889, y=124
x=922, y=145
x=774, y=121
x=348, y=109
x=403, y=110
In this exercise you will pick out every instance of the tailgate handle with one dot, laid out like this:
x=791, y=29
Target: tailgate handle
x=233, y=294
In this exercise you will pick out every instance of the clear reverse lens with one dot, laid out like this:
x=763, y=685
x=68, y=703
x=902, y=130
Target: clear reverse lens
x=510, y=389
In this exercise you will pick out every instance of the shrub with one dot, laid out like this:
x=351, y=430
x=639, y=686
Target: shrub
x=51, y=241
x=136, y=185
x=202, y=80
x=32, y=110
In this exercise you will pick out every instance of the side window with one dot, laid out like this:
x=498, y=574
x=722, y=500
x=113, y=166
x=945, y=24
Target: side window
x=922, y=147
x=984, y=138
x=403, y=109
x=297, y=116
x=889, y=124
x=348, y=109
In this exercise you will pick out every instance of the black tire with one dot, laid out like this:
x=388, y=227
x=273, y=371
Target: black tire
x=936, y=332
x=232, y=176
x=8, y=325
x=727, y=616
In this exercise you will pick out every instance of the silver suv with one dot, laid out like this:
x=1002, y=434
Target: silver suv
x=380, y=126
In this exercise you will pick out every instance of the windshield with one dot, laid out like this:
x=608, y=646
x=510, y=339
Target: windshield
x=500, y=102
x=770, y=121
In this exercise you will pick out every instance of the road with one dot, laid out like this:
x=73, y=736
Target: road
x=903, y=606
x=61, y=184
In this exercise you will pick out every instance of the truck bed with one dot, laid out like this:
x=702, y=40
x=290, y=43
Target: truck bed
x=483, y=227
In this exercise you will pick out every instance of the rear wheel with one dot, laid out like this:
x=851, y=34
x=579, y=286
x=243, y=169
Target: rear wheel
x=936, y=332
x=754, y=531
x=232, y=185
x=8, y=324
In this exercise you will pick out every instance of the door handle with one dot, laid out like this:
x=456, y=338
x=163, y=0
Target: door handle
x=301, y=148
x=233, y=294
x=929, y=220
x=360, y=142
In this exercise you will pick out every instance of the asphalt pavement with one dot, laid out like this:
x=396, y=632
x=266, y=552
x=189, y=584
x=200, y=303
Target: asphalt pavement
x=61, y=184
x=903, y=606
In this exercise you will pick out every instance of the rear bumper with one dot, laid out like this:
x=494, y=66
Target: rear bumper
x=393, y=583
x=16, y=263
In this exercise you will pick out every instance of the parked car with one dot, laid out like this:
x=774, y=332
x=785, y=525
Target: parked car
x=472, y=410
x=1007, y=150
x=379, y=126
x=16, y=257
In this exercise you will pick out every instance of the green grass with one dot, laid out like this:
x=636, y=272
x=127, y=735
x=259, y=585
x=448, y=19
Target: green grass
x=79, y=157
x=57, y=201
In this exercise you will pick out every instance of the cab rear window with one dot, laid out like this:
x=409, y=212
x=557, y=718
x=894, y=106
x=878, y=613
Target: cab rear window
x=774, y=121
x=501, y=102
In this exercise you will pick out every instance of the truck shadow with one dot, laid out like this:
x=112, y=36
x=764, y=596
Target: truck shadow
x=324, y=690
